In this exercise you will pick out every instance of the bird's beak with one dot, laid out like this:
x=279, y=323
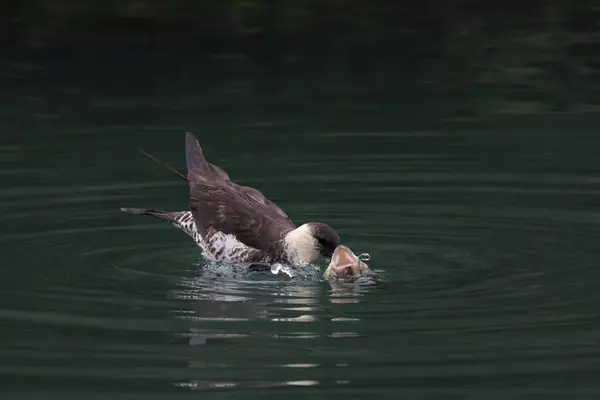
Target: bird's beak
x=344, y=264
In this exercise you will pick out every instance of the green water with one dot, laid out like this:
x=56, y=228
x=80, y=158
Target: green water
x=486, y=236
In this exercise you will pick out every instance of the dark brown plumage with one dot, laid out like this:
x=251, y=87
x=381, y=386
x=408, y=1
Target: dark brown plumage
x=237, y=223
x=220, y=204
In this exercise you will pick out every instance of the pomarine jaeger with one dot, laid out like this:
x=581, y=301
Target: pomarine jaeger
x=236, y=223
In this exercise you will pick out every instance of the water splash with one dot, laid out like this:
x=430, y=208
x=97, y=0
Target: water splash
x=255, y=271
x=280, y=268
x=364, y=257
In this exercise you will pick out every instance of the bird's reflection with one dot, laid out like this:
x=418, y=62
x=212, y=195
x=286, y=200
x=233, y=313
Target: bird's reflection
x=224, y=300
x=232, y=310
x=345, y=294
x=202, y=385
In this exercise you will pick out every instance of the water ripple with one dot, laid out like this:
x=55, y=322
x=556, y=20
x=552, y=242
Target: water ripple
x=490, y=280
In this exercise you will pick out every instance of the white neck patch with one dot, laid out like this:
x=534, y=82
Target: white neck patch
x=301, y=246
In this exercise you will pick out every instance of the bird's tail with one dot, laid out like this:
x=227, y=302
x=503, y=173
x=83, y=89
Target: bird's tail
x=180, y=219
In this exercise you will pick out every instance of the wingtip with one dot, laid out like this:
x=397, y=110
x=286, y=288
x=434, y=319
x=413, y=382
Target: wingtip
x=165, y=165
x=191, y=140
x=144, y=152
x=193, y=152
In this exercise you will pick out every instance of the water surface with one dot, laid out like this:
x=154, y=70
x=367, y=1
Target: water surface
x=487, y=238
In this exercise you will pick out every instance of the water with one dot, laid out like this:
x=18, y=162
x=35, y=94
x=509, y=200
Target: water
x=486, y=237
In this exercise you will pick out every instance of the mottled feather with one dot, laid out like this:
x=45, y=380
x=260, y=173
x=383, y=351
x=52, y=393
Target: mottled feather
x=216, y=246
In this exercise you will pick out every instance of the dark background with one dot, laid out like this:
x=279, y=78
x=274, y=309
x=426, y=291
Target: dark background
x=490, y=58
x=456, y=142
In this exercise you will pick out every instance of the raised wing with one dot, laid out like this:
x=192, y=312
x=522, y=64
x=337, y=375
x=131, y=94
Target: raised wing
x=217, y=202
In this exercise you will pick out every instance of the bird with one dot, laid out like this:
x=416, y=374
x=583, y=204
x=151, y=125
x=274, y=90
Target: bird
x=236, y=223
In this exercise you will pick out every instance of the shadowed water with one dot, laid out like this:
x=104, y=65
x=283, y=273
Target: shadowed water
x=486, y=241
